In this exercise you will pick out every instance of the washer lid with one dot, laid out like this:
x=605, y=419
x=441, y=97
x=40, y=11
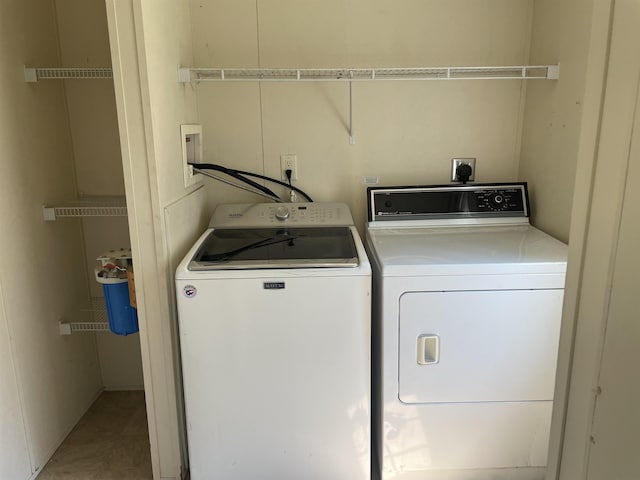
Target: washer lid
x=481, y=250
x=260, y=248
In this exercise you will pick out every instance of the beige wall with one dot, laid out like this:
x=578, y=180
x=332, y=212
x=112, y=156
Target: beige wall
x=166, y=27
x=405, y=132
x=42, y=276
x=402, y=130
x=553, y=113
x=597, y=236
x=120, y=357
x=84, y=42
x=560, y=132
x=14, y=451
x=616, y=420
x=149, y=39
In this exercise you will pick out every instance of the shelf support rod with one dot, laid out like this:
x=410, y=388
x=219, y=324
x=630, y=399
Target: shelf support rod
x=352, y=140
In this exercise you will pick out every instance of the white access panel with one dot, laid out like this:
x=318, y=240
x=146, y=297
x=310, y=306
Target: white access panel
x=277, y=381
x=478, y=346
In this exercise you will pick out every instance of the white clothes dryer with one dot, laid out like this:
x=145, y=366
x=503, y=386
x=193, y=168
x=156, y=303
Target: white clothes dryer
x=466, y=321
x=274, y=313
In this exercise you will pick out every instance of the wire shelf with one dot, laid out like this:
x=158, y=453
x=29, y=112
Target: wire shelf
x=33, y=74
x=97, y=310
x=87, y=207
x=187, y=74
x=76, y=327
x=547, y=72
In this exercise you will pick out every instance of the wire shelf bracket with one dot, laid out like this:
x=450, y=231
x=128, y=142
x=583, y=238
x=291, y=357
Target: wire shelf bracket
x=34, y=74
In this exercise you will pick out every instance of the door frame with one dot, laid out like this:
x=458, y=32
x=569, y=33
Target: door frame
x=598, y=200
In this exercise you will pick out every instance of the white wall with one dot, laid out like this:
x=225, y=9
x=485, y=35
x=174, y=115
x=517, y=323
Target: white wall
x=84, y=42
x=120, y=357
x=406, y=132
x=14, y=453
x=554, y=110
x=616, y=421
x=597, y=234
x=560, y=138
x=42, y=276
x=149, y=39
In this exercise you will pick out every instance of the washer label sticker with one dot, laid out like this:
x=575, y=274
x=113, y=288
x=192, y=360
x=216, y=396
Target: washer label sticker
x=189, y=291
x=273, y=285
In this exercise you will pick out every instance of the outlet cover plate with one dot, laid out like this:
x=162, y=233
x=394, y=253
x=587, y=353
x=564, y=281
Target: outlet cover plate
x=456, y=162
x=289, y=161
x=191, y=140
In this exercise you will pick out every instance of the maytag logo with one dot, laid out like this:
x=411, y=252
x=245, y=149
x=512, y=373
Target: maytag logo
x=273, y=285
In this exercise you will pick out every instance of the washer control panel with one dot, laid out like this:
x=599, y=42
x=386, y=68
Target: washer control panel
x=291, y=214
x=448, y=201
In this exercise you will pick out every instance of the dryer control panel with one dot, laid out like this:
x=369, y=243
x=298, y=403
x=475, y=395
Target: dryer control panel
x=434, y=202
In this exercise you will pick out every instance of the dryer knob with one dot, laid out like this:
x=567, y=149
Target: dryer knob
x=282, y=213
x=497, y=200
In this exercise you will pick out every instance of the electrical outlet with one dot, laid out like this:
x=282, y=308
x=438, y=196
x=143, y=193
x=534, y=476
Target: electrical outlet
x=191, y=137
x=456, y=162
x=289, y=162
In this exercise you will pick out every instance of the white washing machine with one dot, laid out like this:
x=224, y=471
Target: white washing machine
x=466, y=322
x=274, y=308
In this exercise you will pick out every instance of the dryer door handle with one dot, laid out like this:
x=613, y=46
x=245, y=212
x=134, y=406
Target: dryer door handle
x=428, y=349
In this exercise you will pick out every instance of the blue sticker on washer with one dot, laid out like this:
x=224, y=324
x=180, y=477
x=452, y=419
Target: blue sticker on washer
x=189, y=291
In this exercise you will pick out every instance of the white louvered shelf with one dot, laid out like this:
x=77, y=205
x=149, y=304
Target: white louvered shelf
x=525, y=72
x=76, y=327
x=198, y=74
x=98, y=311
x=34, y=74
x=87, y=207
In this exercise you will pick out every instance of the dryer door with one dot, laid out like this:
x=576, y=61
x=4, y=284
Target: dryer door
x=478, y=346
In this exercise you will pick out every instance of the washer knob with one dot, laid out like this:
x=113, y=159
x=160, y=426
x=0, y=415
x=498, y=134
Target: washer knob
x=282, y=213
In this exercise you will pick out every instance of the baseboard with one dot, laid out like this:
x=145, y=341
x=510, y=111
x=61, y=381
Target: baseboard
x=124, y=388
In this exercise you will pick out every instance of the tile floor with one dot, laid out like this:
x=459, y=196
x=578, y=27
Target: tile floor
x=110, y=442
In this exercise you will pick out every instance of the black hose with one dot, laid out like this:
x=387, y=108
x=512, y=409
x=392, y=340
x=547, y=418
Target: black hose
x=288, y=185
x=235, y=174
x=238, y=174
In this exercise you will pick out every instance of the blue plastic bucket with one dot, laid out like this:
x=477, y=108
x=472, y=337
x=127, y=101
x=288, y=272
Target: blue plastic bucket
x=123, y=318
